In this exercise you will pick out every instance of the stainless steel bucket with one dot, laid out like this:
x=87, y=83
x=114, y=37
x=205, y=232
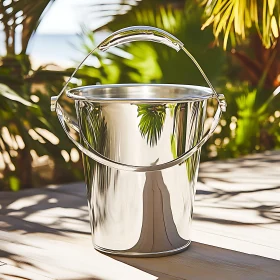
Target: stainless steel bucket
x=141, y=148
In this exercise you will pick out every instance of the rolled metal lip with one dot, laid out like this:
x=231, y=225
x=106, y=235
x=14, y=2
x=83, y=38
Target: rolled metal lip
x=141, y=93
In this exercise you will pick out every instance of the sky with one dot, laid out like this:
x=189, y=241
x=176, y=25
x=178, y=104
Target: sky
x=67, y=17
x=63, y=17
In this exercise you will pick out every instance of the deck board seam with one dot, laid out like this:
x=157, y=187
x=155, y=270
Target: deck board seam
x=47, y=229
x=35, y=273
x=152, y=271
x=235, y=238
x=65, y=193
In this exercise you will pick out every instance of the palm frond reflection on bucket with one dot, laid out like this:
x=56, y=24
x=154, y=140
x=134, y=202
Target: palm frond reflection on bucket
x=151, y=122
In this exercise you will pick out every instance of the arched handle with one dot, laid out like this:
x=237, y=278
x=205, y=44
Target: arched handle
x=126, y=35
x=149, y=33
x=131, y=34
x=140, y=33
x=122, y=36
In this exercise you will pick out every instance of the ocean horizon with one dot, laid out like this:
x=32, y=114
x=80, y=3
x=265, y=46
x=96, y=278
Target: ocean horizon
x=63, y=50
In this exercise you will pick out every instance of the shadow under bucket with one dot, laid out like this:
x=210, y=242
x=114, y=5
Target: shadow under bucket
x=141, y=148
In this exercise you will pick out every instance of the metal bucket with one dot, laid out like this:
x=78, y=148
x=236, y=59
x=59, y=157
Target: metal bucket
x=141, y=148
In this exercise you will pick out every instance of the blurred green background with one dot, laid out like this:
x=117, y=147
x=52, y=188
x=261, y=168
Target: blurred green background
x=235, y=42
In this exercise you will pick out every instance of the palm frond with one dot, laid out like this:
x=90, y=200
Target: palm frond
x=151, y=122
x=235, y=18
x=24, y=13
x=130, y=11
x=11, y=95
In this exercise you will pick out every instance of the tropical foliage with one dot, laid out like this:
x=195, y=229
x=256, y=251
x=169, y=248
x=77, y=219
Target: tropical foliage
x=247, y=75
x=248, y=126
x=134, y=63
x=21, y=15
x=29, y=131
x=235, y=18
x=184, y=22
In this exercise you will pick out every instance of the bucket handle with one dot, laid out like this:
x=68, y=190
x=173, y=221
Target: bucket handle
x=122, y=36
x=66, y=122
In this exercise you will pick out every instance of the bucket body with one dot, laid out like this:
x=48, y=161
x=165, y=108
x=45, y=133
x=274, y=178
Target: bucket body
x=141, y=213
x=141, y=148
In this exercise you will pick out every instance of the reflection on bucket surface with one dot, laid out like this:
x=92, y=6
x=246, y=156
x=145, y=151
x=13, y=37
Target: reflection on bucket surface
x=141, y=148
x=141, y=213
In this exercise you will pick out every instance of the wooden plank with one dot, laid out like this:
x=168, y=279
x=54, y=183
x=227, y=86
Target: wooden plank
x=160, y=275
x=198, y=262
x=232, y=242
x=206, y=262
x=9, y=272
x=76, y=189
x=34, y=241
x=61, y=260
x=46, y=231
x=74, y=221
x=41, y=208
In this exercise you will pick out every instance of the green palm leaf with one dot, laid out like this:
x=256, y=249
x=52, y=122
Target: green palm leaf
x=11, y=95
x=25, y=13
x=151, y=122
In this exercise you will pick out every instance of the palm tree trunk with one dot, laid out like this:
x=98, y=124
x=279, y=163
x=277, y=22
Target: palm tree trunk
x=25, y=168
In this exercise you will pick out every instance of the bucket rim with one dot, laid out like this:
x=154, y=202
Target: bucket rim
x=140, y=93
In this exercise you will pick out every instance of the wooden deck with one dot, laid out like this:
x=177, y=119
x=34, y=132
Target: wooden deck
x=45, y=234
